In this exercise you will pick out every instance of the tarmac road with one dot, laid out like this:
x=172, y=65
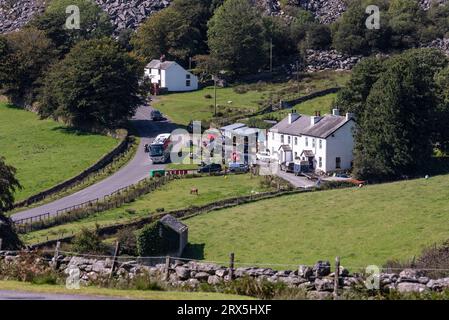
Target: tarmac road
x=137, y=169
x=23, y=295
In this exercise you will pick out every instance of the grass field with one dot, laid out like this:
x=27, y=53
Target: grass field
x=184, y=107
x=175, y=195
x=362, y=226
x=117, y=293
x=322, y=104
x=44, y=152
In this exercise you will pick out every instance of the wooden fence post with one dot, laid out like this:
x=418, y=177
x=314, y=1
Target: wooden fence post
x=114, y=260
x=231, y=265
x=336, y=277
x=55, y=258
x=167, y=268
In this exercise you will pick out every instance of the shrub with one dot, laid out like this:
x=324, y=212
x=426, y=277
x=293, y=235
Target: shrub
x=128, y=241
x=88, y=241
x=150, y=241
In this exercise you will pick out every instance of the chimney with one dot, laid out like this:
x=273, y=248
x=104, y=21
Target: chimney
x=335, y=112
x=315, y=119
x=349, y=116
x=292, y=117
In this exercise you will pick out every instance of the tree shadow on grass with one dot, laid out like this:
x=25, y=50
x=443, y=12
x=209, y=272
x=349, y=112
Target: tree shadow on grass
x=74, y=131
x=194, y=251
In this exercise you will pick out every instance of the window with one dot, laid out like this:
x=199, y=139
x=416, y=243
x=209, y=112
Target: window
x=282, y=138
x=187, y=83
x=307, y=142
x=296, y=155
x=187, y=76
x=296, y=141
x=313, y=143
x=288, y=139
x=338, y=163
x=272, y=135
x=320, y=162
x=321, y=144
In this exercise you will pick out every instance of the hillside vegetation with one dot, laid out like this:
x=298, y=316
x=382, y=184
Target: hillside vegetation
x=363, y=226
x=44, y=152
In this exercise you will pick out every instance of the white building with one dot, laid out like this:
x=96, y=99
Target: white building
x=170, y=76
x=325, y=142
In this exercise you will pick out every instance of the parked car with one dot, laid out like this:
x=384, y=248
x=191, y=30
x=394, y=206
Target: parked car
x=156, y=115
x=238, y=167
x=263, y=157
x=288, y=166
x=213, y=167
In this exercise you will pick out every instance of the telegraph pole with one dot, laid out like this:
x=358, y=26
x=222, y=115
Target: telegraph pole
x=271, y=55
x=215, y=96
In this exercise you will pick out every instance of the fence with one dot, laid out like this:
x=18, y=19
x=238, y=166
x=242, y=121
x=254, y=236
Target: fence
x=78, y=211
x=115, y=155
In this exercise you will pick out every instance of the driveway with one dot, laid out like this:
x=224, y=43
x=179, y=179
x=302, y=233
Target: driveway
x=297, y=181
x=137, y=169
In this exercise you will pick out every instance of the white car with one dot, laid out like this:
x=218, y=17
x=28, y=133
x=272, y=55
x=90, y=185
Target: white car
x=263, y=157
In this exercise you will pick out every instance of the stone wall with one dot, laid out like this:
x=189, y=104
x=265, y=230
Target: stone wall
x=317, y=280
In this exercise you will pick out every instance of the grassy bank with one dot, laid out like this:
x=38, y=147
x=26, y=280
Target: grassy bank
x=116, y=293
x=44, y=152
x=243, y=98
x=175, y=195
x=362, y=226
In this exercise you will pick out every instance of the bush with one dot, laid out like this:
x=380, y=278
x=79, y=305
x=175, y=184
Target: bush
x=150, y=242
x=128, y=241
x=88, y=241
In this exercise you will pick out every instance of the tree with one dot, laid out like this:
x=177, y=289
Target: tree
x=96, y=84
x=178, y=32
x=395, y=129
x=318, y=37
x=8, y=186
x=236, y=38
x=405, y=19
x=88, y=241
x=352, y=98
x=25, y=55
x=94, y=23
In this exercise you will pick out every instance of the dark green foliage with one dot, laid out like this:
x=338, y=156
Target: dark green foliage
x=150, y=241
x=318, y=37
x=95, y=84
x=352, y=98
x=88, y=242
x=128, y=241
x=395, y=128
x=94, y=23
x=179, y=31
x=236, y=37
x=24, y=57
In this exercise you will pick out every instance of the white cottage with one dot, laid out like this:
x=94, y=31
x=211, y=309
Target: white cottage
x=170, y=76
x=325, y=142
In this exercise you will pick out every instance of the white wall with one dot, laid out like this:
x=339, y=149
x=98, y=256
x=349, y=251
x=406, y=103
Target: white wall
x=341, y=144
x=175, y=79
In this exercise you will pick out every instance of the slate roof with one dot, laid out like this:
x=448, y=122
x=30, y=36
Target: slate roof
x=327, y=125
x=172, y=223
x=157, y=64
x=232, y=127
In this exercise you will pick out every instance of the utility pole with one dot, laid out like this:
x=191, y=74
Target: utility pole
x=190, y=63
x=215, y=96
x=271, y=55
x=297, y=74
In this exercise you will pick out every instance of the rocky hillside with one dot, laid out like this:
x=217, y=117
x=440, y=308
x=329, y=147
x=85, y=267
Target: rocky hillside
x=130, y=13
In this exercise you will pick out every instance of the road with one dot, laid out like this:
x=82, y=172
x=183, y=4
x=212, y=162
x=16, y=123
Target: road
x=137, y=169
x=23, y=295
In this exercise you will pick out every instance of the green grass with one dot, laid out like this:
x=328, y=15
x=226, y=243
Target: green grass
x=322, y=104
x=44, y=152
x=362, y=226
x=181, y=108
x=117, y=293
x=175, y=195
